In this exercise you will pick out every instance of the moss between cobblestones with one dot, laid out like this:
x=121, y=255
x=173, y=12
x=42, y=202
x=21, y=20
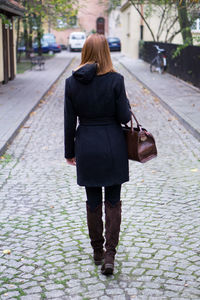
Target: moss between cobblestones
x=5, y=280
x=5, y=159
x=20, y=290
x=61, y=281
x=42, y=295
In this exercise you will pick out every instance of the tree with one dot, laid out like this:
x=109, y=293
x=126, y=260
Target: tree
x=175, y=16
x=40, y=11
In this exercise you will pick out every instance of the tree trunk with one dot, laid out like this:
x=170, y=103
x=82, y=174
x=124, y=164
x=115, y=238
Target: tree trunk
x=39, y=34
x=25, y=36
x=184, y=23
x=17, y=42
x=30, y=38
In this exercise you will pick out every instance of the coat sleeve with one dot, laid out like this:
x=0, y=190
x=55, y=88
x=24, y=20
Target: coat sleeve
x=70, y=121
x=122, y=103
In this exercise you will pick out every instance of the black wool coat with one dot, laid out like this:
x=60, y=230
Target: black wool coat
x=100, y=104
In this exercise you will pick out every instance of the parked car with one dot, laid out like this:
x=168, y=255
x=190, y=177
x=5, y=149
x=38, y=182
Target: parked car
x=46, y=47
x=114, y=43
x=49, y=44
x=76, y=41
x=21, y=49
x=63, y=47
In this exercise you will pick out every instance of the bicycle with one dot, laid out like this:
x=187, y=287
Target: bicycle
x=159, y=63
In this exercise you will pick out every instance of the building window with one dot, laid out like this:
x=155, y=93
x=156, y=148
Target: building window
x=196, y=25
x=72, y=21
x=66, y=22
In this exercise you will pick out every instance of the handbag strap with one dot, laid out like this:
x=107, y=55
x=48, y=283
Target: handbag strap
x=133, y=116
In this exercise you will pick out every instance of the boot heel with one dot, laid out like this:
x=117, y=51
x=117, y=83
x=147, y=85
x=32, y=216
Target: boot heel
x=107, y=269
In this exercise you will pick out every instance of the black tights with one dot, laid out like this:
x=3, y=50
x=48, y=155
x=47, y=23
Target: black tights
x=94, y=195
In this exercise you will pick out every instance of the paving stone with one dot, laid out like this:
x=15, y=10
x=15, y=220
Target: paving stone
x=43, y=217
x=54, y=294
x=31, y=297
x=33, y=290
x=50, y=287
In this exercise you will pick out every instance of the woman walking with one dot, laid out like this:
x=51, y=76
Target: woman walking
x=95, y=94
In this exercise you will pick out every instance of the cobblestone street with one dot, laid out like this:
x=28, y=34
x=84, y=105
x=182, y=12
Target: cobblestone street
x=43, y=215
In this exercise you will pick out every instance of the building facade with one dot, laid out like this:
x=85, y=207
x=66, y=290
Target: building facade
x=134, y=29
x=92, y=17
x=115, y=23
x=8, y=10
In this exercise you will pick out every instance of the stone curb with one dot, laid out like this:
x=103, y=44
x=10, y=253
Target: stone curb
x=10, y=139
x=186, y=123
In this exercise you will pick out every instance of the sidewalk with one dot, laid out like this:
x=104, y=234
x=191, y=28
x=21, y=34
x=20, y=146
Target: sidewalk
x=18, y=98
x=179, y=97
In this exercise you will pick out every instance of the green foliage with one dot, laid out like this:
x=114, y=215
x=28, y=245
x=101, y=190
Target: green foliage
x=175, y=17
x=5, y=159
x=23, y=66
x=113, y=4
x=37, y=12
x=4, y=19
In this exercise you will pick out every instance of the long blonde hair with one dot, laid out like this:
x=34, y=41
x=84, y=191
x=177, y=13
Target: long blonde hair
x=96, y=50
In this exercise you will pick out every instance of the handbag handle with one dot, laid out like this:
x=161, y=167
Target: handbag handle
x=138, y=125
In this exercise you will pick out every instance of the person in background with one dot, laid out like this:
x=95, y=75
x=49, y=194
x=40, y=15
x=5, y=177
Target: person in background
x=95, y=95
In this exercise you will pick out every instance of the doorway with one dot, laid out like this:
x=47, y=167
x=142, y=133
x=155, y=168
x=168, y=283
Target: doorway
x=101, y=25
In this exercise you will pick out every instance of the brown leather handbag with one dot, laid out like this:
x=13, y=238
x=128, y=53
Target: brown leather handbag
x=140, y=143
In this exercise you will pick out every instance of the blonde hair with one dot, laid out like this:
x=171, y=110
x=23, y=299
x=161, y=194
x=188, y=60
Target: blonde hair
x=96, y=50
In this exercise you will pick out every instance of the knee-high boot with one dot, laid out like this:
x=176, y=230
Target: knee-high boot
x=113, y=221
x=95, y=228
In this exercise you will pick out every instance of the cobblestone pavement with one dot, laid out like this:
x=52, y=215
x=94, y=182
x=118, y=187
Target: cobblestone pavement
x=43, y=219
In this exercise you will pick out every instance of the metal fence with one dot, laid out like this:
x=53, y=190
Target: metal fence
x=185, y=66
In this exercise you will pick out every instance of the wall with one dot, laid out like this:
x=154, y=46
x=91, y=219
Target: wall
x=1, y=53
x=88, y=13
x=115, y=23
x=130, y=32
x=186, y=65
x=131, y=22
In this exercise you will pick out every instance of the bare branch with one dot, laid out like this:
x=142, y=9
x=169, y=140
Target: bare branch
x=170, y=27
x=144, y=19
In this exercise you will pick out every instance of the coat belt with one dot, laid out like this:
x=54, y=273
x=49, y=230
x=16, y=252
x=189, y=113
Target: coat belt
x=97, y=121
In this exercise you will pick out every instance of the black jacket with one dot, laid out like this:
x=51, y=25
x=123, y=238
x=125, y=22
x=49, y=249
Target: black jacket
x=98, y=143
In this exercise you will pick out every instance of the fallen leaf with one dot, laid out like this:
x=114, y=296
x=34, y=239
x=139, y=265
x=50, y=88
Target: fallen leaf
x=146, y=91
x=52, y=206
x=6, y=251
x=156, y=99
x=32, y=113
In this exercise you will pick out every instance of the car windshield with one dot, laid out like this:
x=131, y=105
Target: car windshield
x=78, y=37
x=112, y=40
x=48, y=39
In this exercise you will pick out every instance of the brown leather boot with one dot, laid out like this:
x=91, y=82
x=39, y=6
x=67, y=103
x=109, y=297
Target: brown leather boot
x=95, y=228
x=113, y=221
